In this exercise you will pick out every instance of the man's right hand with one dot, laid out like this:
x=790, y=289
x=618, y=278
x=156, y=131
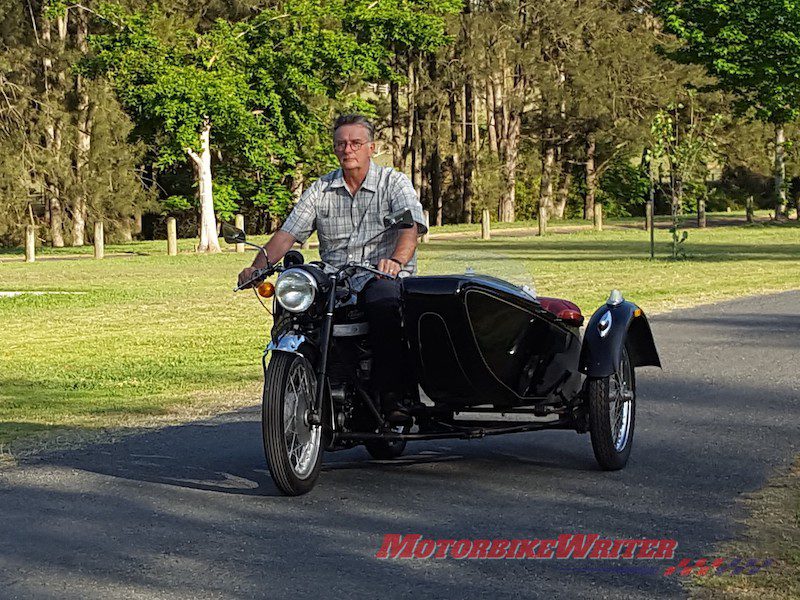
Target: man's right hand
x=246, y=275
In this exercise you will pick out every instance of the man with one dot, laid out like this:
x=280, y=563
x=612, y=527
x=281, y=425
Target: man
x=347, y=207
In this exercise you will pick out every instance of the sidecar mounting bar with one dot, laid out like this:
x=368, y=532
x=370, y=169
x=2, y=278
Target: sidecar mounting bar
x=463, y=433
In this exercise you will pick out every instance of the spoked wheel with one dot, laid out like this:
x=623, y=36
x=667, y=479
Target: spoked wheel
x=292, y=446
x=387, y=450
x=612, y=412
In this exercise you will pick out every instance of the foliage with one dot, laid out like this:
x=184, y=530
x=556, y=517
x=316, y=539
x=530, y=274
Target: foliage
x=751, y=47
x=623, y=187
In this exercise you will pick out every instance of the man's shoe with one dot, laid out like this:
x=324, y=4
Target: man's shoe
x=393, y=408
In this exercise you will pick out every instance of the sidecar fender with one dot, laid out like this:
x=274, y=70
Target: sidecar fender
x=611, y=328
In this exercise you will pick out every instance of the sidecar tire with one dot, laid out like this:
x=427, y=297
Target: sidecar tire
x=385, y=450
x=291, y=479
x=612, y=442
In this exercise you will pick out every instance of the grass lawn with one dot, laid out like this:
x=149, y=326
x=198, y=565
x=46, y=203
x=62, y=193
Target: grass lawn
x=154, y=334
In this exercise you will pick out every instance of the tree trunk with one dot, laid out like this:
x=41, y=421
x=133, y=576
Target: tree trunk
x=436, y=182
x=208, y=221
x=780, y=171
x=83, y=140
x=411, y=125
x=469, y=155
x=398, y=156
x=455, y=144
x=548, y=164
x=563, y=191
x=137, y=220
x=51, y=186
x=126, y=229
x=509, y=150
x=491, y=127
x=416, y=155
x=591, y=178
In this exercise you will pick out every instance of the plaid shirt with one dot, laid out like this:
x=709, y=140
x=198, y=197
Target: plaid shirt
x=345, y=223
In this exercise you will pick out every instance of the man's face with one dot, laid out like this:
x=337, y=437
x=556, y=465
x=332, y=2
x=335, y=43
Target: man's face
x=352, y=147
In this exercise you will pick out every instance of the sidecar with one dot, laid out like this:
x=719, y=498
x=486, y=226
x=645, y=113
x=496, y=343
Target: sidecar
x=478, y=340
x=493, y=358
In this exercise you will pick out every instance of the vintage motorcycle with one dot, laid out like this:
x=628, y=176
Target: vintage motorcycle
x=490, y=358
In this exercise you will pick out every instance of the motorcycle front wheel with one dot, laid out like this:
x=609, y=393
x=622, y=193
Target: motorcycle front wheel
x=293, y=447
x=612, y=415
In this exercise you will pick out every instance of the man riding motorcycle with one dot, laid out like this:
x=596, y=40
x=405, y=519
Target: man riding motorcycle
x=346, y=207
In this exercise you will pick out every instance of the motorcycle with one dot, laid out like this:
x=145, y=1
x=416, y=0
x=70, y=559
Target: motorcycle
x=488, y=357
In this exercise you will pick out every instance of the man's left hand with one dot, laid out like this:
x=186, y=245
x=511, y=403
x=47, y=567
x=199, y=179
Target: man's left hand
x=389, y=266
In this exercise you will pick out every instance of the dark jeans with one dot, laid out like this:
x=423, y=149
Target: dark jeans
x=380, y=300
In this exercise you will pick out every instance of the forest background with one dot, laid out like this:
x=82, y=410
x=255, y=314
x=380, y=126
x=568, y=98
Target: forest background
x=129, y=112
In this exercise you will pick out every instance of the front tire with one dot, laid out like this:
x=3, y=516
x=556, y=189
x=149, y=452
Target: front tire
x=612, y=415
x=293, y=447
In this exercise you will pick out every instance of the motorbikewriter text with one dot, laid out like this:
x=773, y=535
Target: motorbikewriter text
x=565, y=546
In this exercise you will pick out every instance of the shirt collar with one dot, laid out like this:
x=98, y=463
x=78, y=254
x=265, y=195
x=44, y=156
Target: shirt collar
x=370, y=181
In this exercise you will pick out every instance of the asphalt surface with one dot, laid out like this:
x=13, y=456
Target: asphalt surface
x=191, y=512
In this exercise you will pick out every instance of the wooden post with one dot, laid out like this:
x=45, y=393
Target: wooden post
x=542, y=221
x=648, y=216
x=701, y=213
x=99, y=243
x=749, y=209
x=598, y=216
x=426, y=236
x=172, y=236
x=30, y=243
x=485, y=226
x=240, y=225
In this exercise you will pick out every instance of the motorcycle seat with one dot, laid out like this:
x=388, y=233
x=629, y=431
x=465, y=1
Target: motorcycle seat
x=563, y=309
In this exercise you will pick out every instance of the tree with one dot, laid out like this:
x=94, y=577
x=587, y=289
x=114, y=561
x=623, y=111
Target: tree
x=752, y=49
x=256, y=91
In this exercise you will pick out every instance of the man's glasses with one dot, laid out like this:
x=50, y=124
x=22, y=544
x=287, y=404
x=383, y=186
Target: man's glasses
x=342, y=146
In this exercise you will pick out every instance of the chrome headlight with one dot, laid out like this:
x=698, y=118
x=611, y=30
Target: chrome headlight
x=295, y=290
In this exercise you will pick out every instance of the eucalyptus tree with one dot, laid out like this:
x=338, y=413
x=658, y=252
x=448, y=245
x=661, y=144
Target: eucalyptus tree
x=252, y=90
x=752, y=49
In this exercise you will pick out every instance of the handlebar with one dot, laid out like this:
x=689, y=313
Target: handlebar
x=264, y=272
x=258, y=275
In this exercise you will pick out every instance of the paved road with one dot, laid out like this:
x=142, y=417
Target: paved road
x=190, y=511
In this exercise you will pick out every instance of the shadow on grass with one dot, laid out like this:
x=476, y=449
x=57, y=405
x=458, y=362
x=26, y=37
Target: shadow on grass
x=577, y=250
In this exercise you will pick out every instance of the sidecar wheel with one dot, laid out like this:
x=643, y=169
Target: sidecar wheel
x=386, y=450
x=293, y=447
x=612, y=414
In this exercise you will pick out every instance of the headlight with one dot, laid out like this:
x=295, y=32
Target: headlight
x=295, y=290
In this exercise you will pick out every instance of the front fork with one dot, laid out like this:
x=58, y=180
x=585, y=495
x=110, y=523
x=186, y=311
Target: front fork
x=315, y=415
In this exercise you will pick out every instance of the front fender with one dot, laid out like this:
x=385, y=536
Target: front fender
x=600, y=354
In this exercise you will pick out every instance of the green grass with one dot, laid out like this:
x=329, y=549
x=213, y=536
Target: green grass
x=772, y=530
x=154, y=334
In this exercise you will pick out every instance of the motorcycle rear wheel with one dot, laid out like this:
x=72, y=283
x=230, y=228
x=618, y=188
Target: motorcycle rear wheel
x=612, y=415
x=293, y=448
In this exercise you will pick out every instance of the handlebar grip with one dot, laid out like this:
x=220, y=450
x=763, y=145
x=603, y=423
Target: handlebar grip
x=258, y=275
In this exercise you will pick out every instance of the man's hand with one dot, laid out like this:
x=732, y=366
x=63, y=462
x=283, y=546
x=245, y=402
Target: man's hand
x=275, y=248
x=246, y=275
x=389, y=266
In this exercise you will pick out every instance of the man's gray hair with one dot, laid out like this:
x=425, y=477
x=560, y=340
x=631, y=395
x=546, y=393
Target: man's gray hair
x=355, y=119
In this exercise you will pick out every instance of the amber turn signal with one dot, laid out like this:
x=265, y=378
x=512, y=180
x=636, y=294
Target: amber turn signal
x=637, y=312
x=266, y=290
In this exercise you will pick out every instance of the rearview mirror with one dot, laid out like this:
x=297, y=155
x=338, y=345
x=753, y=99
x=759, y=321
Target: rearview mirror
x=401, y=219
x=233, y=235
